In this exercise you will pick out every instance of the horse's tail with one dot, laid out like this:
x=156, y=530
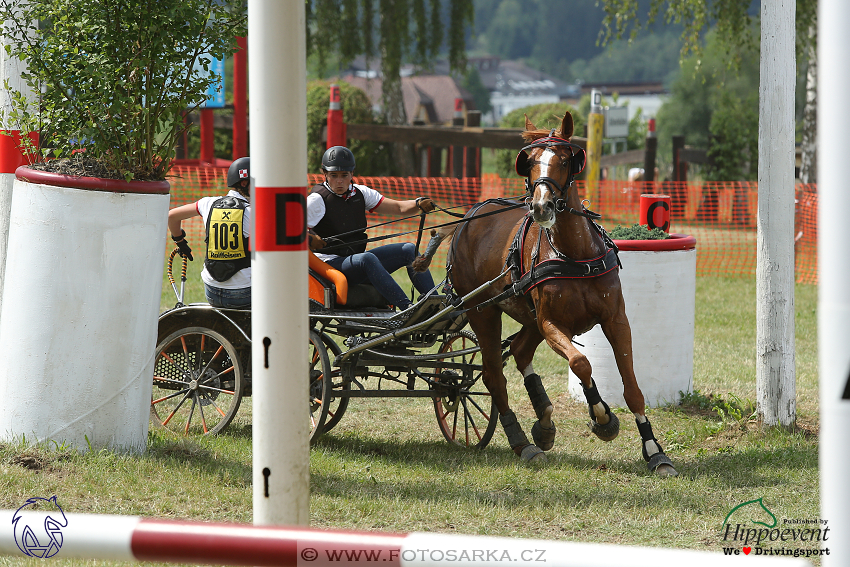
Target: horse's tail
x=421, y=263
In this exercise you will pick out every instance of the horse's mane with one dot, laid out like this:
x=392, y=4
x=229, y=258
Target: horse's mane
x=531, y=135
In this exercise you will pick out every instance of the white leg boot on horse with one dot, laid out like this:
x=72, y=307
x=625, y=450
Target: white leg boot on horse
x=619, y=334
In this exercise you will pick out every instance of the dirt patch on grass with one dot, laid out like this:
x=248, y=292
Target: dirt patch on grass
x=36, y=459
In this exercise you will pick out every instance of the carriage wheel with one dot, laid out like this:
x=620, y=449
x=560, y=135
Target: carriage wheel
x=197, y=382
x=337, y=405
x=320, y=372
x=469, y=416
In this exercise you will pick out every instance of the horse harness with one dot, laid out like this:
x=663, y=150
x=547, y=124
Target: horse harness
x=562, y=266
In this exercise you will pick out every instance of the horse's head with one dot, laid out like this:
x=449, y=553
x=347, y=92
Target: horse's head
x=549, y=163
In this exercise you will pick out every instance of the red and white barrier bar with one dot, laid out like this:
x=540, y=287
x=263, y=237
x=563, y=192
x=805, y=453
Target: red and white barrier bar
x=131, y=538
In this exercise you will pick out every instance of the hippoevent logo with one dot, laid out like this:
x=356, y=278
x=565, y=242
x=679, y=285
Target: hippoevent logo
x=37, y=535
x=752, y=528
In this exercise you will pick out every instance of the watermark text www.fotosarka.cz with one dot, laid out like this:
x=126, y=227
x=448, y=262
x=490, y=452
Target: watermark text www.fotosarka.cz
x=360, y=556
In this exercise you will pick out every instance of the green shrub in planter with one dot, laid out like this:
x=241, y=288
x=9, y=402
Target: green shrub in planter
x=114, y=77
x=637, y=232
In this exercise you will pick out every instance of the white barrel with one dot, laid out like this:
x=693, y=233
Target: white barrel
x=659, y=288
x=79, y=319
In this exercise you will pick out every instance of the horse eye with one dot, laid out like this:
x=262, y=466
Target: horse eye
x=565, y=163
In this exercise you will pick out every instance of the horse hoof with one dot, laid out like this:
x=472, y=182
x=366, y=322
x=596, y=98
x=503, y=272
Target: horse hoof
x=609, y=431
x=533, y=454
x=661, y=465
x=544, y=437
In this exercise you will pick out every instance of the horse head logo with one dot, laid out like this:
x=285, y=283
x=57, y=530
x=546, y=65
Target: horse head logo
x=754, y=509
x=47, y=541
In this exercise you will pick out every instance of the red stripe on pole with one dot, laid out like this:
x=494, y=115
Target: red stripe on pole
x=280, y=219
x=239, y=544
x=11, y=157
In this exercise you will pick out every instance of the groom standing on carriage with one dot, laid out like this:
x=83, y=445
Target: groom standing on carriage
x=336, y=219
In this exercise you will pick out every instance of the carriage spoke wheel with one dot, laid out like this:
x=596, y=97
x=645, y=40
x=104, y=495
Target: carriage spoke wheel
x=336, y=404
x=467, y=416
x=320, y=380
x=197, y=382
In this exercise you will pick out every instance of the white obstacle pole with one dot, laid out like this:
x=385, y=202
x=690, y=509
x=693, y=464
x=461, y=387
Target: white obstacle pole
x=10, y=155
x=130, y=538
x=278, y=113
x=775, y=373
x=833, y=296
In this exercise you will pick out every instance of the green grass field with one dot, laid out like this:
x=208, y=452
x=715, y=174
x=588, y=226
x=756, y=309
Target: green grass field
x=387, y=467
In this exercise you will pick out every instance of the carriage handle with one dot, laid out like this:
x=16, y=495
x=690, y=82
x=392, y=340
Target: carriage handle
x=182, y=276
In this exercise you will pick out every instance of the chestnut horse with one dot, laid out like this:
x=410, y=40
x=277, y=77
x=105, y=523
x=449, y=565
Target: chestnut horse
x=579, y=288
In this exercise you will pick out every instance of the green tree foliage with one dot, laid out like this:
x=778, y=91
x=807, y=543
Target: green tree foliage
x=733, y=20
x=115, y=76
x=734, y=146
x=653, y=57
x=392, y=30
x=546, y=115
x=706, y=85
x=373, y=158
x=562, y=39
x=480, y=94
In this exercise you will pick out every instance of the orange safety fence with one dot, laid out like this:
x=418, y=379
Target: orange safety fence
x=720, y=215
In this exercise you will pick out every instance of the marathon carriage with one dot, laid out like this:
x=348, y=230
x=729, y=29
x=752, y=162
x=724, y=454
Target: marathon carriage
x=359, y=348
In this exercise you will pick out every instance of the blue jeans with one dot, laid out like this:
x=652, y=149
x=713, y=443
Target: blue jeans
x=228, y=298
x=375, y=267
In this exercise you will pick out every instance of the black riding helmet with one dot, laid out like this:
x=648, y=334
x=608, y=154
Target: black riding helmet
x=338, y=158
x=238, y=170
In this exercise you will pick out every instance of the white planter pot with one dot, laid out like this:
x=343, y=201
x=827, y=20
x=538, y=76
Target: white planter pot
x=80, y=306
x=659, y=284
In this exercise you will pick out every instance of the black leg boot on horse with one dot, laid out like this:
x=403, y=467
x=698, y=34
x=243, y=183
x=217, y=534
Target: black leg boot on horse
x=543, y=431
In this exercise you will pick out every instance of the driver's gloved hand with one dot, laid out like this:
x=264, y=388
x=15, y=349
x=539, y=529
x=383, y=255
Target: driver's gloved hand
x=183, y=246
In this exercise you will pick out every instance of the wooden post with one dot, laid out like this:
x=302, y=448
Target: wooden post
x=775, y=372
x=678, y=144
x=435, y=161
x=472, y=172
x=473, y=120
x=457, y=153
x=649, y=155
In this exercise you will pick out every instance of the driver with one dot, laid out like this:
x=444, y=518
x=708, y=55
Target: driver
x=339, y=206
x=227, y=220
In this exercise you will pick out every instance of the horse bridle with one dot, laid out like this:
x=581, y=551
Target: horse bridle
x=551, y=141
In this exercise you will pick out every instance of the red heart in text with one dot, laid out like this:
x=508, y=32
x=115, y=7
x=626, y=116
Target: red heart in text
x=747, y=550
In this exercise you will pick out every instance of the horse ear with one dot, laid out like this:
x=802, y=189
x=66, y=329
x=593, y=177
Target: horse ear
x=567, y=126
x=528, y=124
x=522, y=164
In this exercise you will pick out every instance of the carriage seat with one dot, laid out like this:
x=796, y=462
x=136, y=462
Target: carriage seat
x=329, y=287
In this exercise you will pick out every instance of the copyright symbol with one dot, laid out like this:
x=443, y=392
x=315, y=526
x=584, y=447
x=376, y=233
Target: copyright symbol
x=309, y=554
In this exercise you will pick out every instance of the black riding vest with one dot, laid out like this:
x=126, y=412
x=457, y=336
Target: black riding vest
x=343, y=214
x=227, y=247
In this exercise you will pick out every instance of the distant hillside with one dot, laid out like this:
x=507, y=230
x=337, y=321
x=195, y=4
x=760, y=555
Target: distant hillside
x=561, y=39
